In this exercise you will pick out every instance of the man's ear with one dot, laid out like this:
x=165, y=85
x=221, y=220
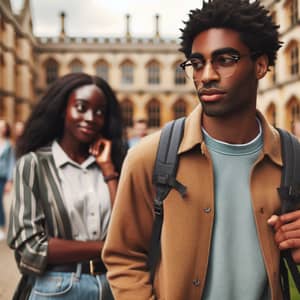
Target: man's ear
x=261, y=66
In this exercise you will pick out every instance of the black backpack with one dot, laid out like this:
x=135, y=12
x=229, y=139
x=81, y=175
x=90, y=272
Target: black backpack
x=164, y=179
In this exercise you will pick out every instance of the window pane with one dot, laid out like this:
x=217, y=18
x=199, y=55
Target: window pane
x=179, y=76
x=127, y=113
x=154, y=113
x=179, y=109
x=102, y=71
x=2, y=107
x=294, y=12
x=153, y=73
x=76, y=67
x=51, y=71
x=127, y=73
x=294, y=69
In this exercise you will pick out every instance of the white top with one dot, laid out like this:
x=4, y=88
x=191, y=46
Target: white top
x=85, y=195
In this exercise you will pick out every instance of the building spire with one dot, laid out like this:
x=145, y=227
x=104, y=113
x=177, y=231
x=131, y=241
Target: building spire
x=128, y=34
x=157, y=34
x=62, y=25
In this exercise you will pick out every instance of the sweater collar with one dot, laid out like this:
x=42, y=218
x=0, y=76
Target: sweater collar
x=271, y=142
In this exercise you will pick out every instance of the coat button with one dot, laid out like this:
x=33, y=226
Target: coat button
x=196, y=282
x=207, y=210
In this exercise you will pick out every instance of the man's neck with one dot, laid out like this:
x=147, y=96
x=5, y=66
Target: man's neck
x=238, y=129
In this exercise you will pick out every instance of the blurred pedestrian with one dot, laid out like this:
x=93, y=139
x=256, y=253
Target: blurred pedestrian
x=18, y=129
x=7, y=162
x=140, y=130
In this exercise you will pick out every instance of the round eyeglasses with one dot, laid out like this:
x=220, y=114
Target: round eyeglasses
x=224, y=64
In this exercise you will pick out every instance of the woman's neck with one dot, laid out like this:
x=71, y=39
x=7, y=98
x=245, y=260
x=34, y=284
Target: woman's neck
x=76, y=151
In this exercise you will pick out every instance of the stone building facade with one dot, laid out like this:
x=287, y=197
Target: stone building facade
x=144, y=72
x=18, y=71
x=279, y=96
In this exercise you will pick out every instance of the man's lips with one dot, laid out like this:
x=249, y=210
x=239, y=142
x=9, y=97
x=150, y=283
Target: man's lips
x=210, y=95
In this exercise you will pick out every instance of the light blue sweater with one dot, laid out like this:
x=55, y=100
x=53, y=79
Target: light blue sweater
x=236, y=267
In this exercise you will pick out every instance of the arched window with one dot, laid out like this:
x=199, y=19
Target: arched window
x=2, y=24
x=127, y=72
x=153, y=109
x=292, y=57
x=179, y=75
x=51, y=70
x=294, y=60
x=179, y=109
x=293, y=12
x=153, y=72
x=292, y=113
x=102, y=69
x=18, y=110
x=273, y=74
x=2, y=107
x=271, y=114
x=76, y=66
x=2, y=71
x=127, y=113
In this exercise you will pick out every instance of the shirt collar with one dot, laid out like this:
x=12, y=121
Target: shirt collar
x=61, y=158
x=272, y=144
x=193, y=127
x=271, y=137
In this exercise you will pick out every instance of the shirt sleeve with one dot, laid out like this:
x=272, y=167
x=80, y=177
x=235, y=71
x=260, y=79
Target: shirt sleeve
x=26, y=232
x=126, y=248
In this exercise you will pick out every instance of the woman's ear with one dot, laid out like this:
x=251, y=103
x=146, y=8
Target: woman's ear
x=261, y=66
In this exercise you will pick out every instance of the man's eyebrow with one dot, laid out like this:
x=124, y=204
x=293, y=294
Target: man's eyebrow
x=227, y=50
x=196, y=55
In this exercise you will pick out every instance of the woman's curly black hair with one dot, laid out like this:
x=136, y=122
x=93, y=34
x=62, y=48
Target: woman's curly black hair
x=46, y=122
x=254, y=23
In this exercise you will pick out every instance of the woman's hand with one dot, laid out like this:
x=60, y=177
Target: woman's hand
x=101, y=149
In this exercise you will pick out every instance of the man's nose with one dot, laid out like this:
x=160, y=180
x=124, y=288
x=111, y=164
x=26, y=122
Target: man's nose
x=209, y=73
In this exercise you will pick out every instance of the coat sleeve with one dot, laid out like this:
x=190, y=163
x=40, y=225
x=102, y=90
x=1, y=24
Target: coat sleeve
x=26, y=233
x=126, y=248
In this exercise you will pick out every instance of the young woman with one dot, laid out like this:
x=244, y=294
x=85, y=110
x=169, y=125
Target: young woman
x=7, y=162
x=65, y=183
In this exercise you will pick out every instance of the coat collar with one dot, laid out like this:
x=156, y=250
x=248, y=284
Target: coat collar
x=271, y=147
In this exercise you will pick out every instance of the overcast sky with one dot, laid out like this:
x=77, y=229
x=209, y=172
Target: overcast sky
x=107, y=17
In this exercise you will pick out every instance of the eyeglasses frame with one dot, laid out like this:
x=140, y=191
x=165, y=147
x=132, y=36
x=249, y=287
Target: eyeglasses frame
x=236, y=57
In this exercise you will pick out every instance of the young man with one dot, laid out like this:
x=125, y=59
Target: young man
x=223, y=240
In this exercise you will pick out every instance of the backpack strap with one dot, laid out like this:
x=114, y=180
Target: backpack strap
x=289, y=192
x=164, y=179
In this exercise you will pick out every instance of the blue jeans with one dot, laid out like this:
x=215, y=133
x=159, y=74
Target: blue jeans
x=2, y=215
x=71, y=286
